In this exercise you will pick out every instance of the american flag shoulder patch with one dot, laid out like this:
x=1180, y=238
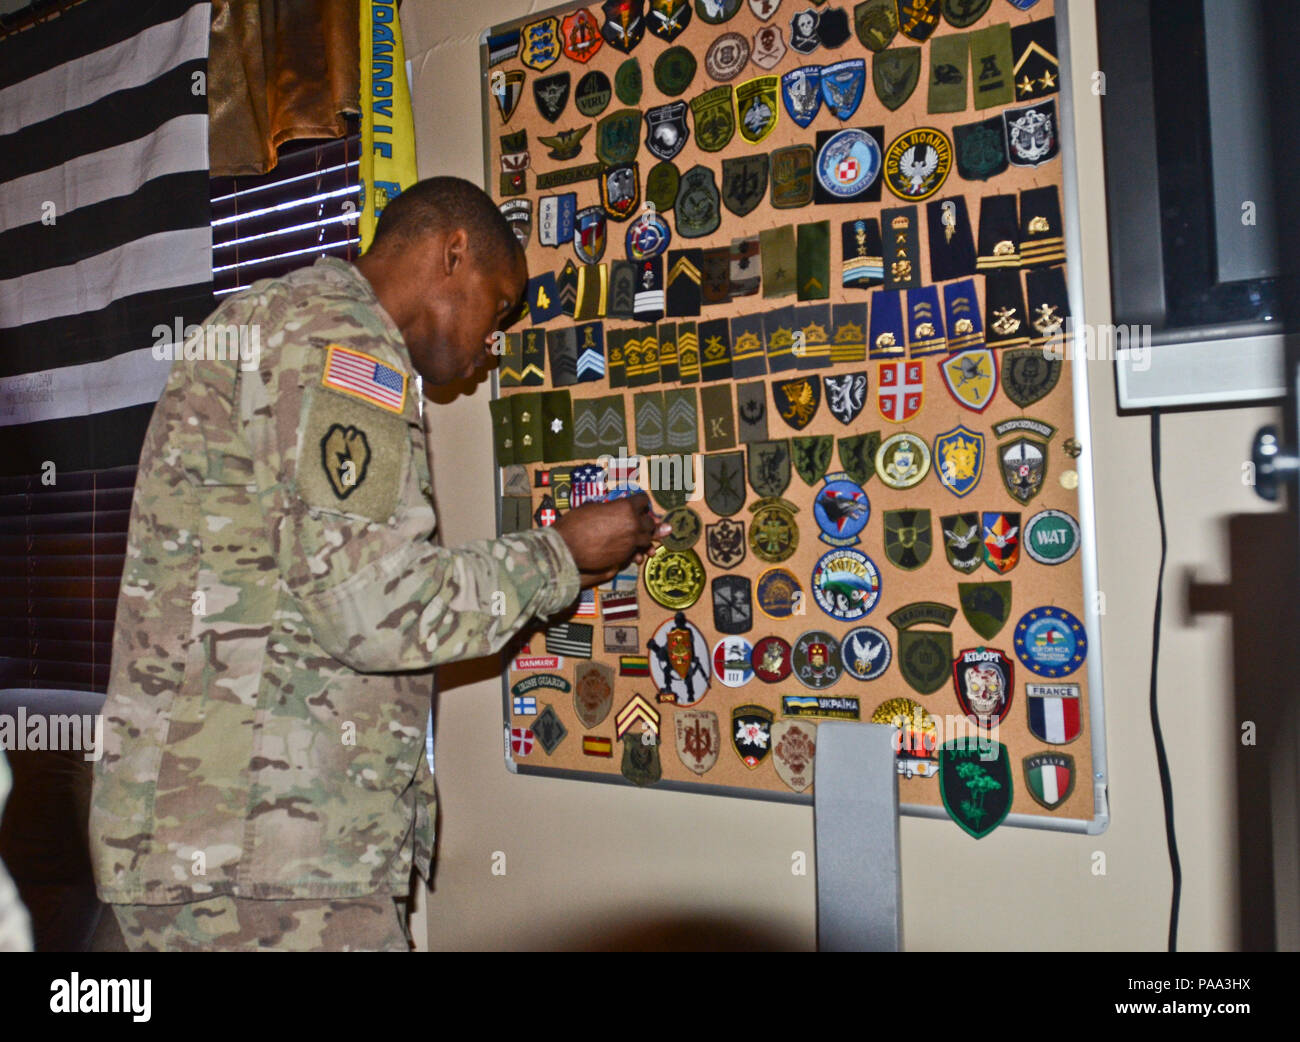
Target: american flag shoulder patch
x=366, y=377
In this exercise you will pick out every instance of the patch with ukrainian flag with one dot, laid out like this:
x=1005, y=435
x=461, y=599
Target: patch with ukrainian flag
x=366, y=377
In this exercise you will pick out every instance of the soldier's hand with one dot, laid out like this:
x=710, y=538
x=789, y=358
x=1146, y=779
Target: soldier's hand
x=603, y=537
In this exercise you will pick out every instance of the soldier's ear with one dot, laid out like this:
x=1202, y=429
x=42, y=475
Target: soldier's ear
x=455, y=251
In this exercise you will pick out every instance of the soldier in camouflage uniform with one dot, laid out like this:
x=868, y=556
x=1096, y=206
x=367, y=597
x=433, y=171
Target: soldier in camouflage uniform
x=263, y=782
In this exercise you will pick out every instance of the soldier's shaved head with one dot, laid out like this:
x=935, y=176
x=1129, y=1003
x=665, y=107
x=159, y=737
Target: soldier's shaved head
x=444, y=204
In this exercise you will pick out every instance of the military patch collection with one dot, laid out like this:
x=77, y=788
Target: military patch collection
x=773, y=240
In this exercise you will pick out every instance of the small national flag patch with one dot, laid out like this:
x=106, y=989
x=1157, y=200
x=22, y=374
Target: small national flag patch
x=525, y=705
x=570, y=638
x=617, y=606
x=633, y=666
x=364, y=377
x=586, y=605
x=593, y=746
x=521, y=741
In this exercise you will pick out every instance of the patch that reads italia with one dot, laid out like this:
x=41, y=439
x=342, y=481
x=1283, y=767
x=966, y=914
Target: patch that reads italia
x=366, y=377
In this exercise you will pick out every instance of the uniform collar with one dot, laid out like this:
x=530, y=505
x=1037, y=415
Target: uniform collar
x=341, y=271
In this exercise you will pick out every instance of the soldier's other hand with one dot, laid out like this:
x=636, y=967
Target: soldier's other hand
x=603, y=537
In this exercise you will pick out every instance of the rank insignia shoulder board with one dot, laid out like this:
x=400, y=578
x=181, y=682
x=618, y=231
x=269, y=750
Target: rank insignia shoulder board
x=981, y=149
x=1027, y=376
x=903, y=461
x=769, y=467
x=699, y=739
x=846, y=395
x=580, y=36
x=543, y=297
x=1001, y=540
x=724, y=482
x=771, y=660
x=680, y=664
x=593, y=93
x=876, y=23
x=971, y=378
x=949, y=61
x=1037, y=71
x=990, y=59
x=668, y=18
x=866, y=653
x=769, y=47
x=698, y=206
x=1055, y=712
x=984, y=679
x=593, y=693
x=952, y=245
x=962, y=540
x=812, y=455
x=900, y=389
x=803, y=30
x=540, y=44
x=895, y=74
x=796, y=401
x=792, y=181
x=917, y=163
x=549, y=730
x=841, y=510
x=908, y=539
x=751, y=410
x=1004, y=309
x=507, y=88
x=1032, y=136
x=1052, y=537
x=965, y=333
x=627, y=82
x=794, y=750
x=959, y=457
x=848, y=165
x=744, y=183
x=1041, y=242
x=751, y=733
x=961, y=14
x=1049, y=777
x=846, y=584
x=551, y=94
x=637, y=717
x=812, y=270
x=976, y=787
x=986, y=606
x=1049, y=308
x=757, y=108
x=715, y=118
x=863, y=253
x=779, y=595
x=733, y=605
x=773, y=533
x=801, y=89
x=674, y=70
x=624, y=23
x=1051, y=642
x=858, y=456
x=725, y=543
x=843, y=85
x=726, y=56
x=666, y=131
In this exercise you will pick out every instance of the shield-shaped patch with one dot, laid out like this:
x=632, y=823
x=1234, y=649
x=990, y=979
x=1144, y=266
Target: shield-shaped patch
x=794, y=748
x=845, y=395
x=641, y=765
x=976, y=786
x=669, y=17
x=802, y=90
x=589, y=232
x=698, y=739
x=925, y=658
x=895, y=73
x=733, y=605
x=984, y=679
x=593, y=693
x=769, y=47
x=751, y=733
x=962, y=13
x=1049, y=778
x=987, y=606
x=1001, y=545
x=539, y=44
x=858, y=456
x=725, y=543
x=764, y=9
x=620, y=190
x=724, y=482
x=959, y=457
x=812, y=455
x=507, y=89
x=1027, y=376
x=1031, y=134
x=744, y=183
x=698, y=209
x=972, y=377
x=757, y=108
x=797, y=400
x=907, y=538
x=666, y=131
x=580, y=36
x=876, y=22
x=715, y=118
x=715, y=12
x=624, y=23
x=843, y=85
x=1054, y=712
x=769, y=467
x=618, y=136
x=900, y=390
x=961, y=540
x=1024, y=466
x=551, y=94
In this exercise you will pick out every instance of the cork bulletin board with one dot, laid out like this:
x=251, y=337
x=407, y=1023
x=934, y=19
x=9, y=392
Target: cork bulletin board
x=807, y=273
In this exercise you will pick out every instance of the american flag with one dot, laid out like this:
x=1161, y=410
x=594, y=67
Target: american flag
x=365, y=377
x=586, y=605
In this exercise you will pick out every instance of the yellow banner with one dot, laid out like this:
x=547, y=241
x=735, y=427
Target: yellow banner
x=387, y=132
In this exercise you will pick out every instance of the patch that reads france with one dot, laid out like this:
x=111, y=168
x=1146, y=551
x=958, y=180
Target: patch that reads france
x=365, y=377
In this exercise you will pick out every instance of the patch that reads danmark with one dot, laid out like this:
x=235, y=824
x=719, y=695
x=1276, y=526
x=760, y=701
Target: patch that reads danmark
x=366, y=377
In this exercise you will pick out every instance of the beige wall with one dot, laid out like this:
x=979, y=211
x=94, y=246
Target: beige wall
x=615, y=867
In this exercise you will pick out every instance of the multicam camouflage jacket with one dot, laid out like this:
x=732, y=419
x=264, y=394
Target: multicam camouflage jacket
x=280, y=611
